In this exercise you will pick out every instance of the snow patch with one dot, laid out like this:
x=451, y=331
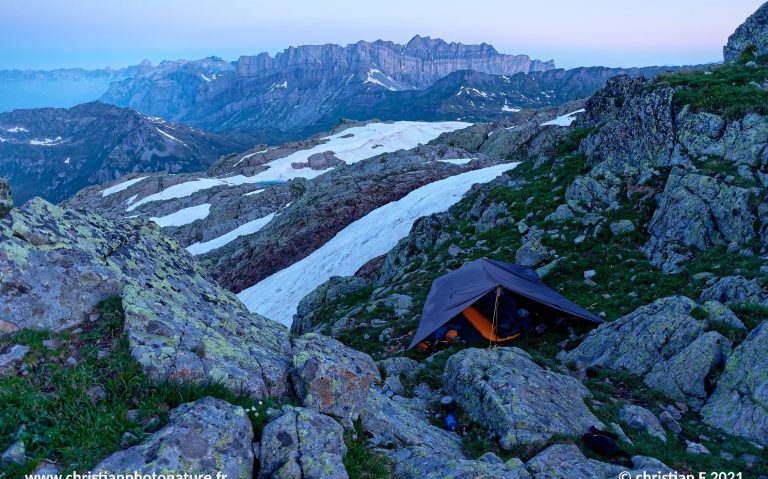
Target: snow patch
x=184, y=216
x=121, y=186
x=564, y=120
x=277, y=296
x=169, y=136
x=48, y=141
x=509, y=109
x=242, y=230
x=181, y=190
x=373, y=73
x=281, y=86
x=66, y=162
x=458, y=161
x=17, y=129
x=253, y=193
x=350, y=145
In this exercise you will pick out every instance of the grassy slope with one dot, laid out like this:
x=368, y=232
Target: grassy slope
x=63, y=425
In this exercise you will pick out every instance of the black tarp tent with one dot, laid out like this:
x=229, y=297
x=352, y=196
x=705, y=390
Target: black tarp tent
x=457, y=290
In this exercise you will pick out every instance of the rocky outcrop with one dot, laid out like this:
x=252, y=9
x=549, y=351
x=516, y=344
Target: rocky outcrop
x=57, y=264
x=637, y=341
x=624, y=144
x=562, y=460
x=319, y=161
x=664, y=343
x=302, y=444
x=688, y=376
x=516, y=399
x=739, y=404
x=329, y=291
x=698, y=211
x=735, y=290
x=208, y=436
x=332, y=378
x=751, y=36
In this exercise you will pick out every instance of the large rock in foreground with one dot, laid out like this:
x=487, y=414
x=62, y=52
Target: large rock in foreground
x=753, y=33
x=208, y=436
x=302, y=444
x=57, y=264
x=515, y=398
x=420, y=463
x=566, y=460
x=739, y=404
x=664, y=343
x=331, y=377
x=392, y=426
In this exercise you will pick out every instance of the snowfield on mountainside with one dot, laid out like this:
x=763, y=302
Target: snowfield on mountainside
x=350, y=145
x=277, y=296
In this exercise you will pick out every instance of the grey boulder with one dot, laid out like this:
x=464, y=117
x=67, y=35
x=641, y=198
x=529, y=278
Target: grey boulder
x=302, y=444
x=739, y=403
x=642, y=420
x=332, y=378
x=515, y=398
x=208, y=436
x=566, y=460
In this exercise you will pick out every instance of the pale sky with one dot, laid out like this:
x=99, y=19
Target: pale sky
x=97, y=33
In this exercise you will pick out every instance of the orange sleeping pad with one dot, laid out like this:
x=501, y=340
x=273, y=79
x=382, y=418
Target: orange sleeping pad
x=484, y=326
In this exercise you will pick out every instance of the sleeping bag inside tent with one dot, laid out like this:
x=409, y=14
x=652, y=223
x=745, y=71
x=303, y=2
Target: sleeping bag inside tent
x=492, y=300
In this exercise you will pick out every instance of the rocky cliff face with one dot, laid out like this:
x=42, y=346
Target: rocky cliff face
x=53, y=153
x=417, y=64
x=751, y=36
x=306, y=89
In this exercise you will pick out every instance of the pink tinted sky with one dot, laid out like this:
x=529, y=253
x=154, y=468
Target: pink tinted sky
x=96, y=33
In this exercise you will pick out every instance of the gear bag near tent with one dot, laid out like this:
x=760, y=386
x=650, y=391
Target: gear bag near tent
x=483, y=296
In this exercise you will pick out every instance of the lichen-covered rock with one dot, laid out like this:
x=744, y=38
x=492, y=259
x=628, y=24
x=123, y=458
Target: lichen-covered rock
x=392, y=426
x=208, y=436
x=561, y=213
x=594, y=191
x=719, y=314
x=621, y=228
x=302, y=444
x=515, y=398
x=57, y=264
x=739, y=404
x=566, y=460
x=741, y=141
x=640, y=419
x=639, y=340
x=332, y=378
x=327, y=292
x=531, y=252
x=753, y=33
x=641, y=136
x=735, y=290
x=697, y=211
x=684, y=376
x=423, y=463
x=491, y=217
